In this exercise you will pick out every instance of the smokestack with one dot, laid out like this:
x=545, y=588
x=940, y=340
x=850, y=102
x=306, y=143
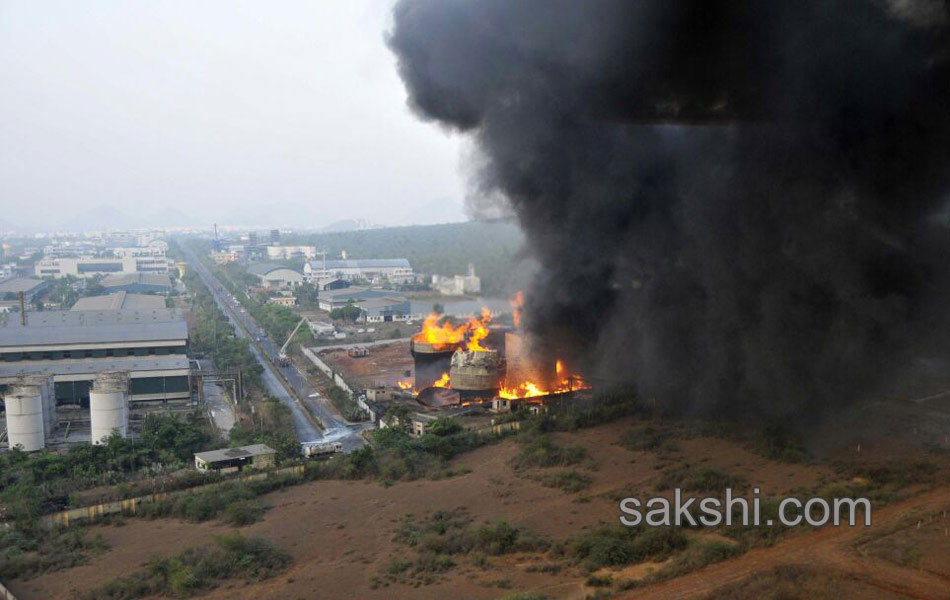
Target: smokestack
x=789, y=258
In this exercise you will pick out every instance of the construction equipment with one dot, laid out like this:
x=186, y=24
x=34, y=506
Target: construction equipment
x=282, y=358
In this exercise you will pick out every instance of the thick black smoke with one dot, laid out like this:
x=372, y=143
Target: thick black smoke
x=735, y=202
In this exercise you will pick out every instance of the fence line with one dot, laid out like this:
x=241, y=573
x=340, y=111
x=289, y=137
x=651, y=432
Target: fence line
x=325, y=368
x=129, y=506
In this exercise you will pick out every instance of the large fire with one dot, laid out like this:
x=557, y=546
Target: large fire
x=566, y=382
x=447, y=336
x=472, y=334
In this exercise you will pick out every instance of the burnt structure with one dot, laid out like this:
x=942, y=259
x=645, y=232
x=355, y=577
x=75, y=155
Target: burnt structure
x=477, y=373
x=430, y=361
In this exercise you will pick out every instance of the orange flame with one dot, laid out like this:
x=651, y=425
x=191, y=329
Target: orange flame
x=445, y=335
x=443, y=381
x=479, y=330
x=566, y=382
x=404, y=385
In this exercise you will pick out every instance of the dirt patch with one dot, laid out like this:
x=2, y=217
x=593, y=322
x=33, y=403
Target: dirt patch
x=385, y=365
x=340, y=533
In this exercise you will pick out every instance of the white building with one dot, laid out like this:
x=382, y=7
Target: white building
x=396, y=270
x=458, y=285
x=276, y=276
x=291, y=252
x=90, y=266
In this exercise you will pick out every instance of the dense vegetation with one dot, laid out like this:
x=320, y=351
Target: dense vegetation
x=38, y=482
x=448, y=249
x=28, y=553
x=232, y=556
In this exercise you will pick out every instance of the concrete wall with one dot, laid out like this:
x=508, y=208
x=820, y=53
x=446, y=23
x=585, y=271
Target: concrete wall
x=326, y=370
x=129, y=506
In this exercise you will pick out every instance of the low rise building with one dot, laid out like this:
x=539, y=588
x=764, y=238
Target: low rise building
x=290, y=252
x=458, y=285
x=385, y=309
x=87, y=266
x=375, y=270
x=138, y=283
x=229, y=460
x=30, y=286
x=276, y=276
x=331, y=299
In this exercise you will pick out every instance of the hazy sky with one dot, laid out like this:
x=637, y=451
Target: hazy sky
x=268, y=112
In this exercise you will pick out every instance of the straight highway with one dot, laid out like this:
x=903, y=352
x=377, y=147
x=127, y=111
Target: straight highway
x=281, y=382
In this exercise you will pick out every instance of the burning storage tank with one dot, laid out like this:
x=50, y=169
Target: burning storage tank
x=476, y=373
x=430, y=361
x=108, y=405
x=523, y=364
x=25, y=419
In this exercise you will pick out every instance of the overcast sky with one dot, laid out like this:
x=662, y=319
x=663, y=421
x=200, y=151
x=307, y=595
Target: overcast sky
x=276, y=112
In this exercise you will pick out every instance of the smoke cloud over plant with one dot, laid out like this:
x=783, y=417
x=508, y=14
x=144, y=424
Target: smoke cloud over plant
x=736, y=204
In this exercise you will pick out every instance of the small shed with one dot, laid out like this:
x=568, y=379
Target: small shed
x=228, y=460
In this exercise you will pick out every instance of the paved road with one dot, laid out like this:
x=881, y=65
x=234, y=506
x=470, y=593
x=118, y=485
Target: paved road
x=335, y=427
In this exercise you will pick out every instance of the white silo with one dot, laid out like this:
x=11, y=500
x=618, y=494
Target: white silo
x=48, y=393
x=108, y=405
x=25, y=417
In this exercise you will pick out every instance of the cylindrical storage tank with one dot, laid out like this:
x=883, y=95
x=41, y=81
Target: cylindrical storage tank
x=25, y=417
x=48, y=393
x=430, y=361
x=476, y=373
x=108, y=405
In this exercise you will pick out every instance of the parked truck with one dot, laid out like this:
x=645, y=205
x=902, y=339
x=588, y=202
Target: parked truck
x=320, y=449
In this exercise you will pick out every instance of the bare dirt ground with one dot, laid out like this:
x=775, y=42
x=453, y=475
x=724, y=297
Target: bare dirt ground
x=341, y=533
x=385, y=365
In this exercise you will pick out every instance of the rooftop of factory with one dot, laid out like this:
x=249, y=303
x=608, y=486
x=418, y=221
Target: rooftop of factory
x=66, y=367
x=119, y=301
x=91, y=326
x=20, y=284
x=158, y=279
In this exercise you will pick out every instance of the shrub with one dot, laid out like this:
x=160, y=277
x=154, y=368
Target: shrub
x=569, y=481
x=615, y=546
x=537, y=450
x=194, y=569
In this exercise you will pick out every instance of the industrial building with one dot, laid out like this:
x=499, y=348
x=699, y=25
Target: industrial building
x=29, y=286
x=119, y=301
x=75, y=346
x=138, y=283
x=375, y=270
x=385, y=309
x=276, y=276
x=458, y=285
x=88, y=266
x=256, y=456
x=331, y=299
x=291, y=252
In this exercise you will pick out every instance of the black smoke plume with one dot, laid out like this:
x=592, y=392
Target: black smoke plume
x=737, y=204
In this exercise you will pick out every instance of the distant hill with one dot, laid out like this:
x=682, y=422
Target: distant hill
x=447, y=249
